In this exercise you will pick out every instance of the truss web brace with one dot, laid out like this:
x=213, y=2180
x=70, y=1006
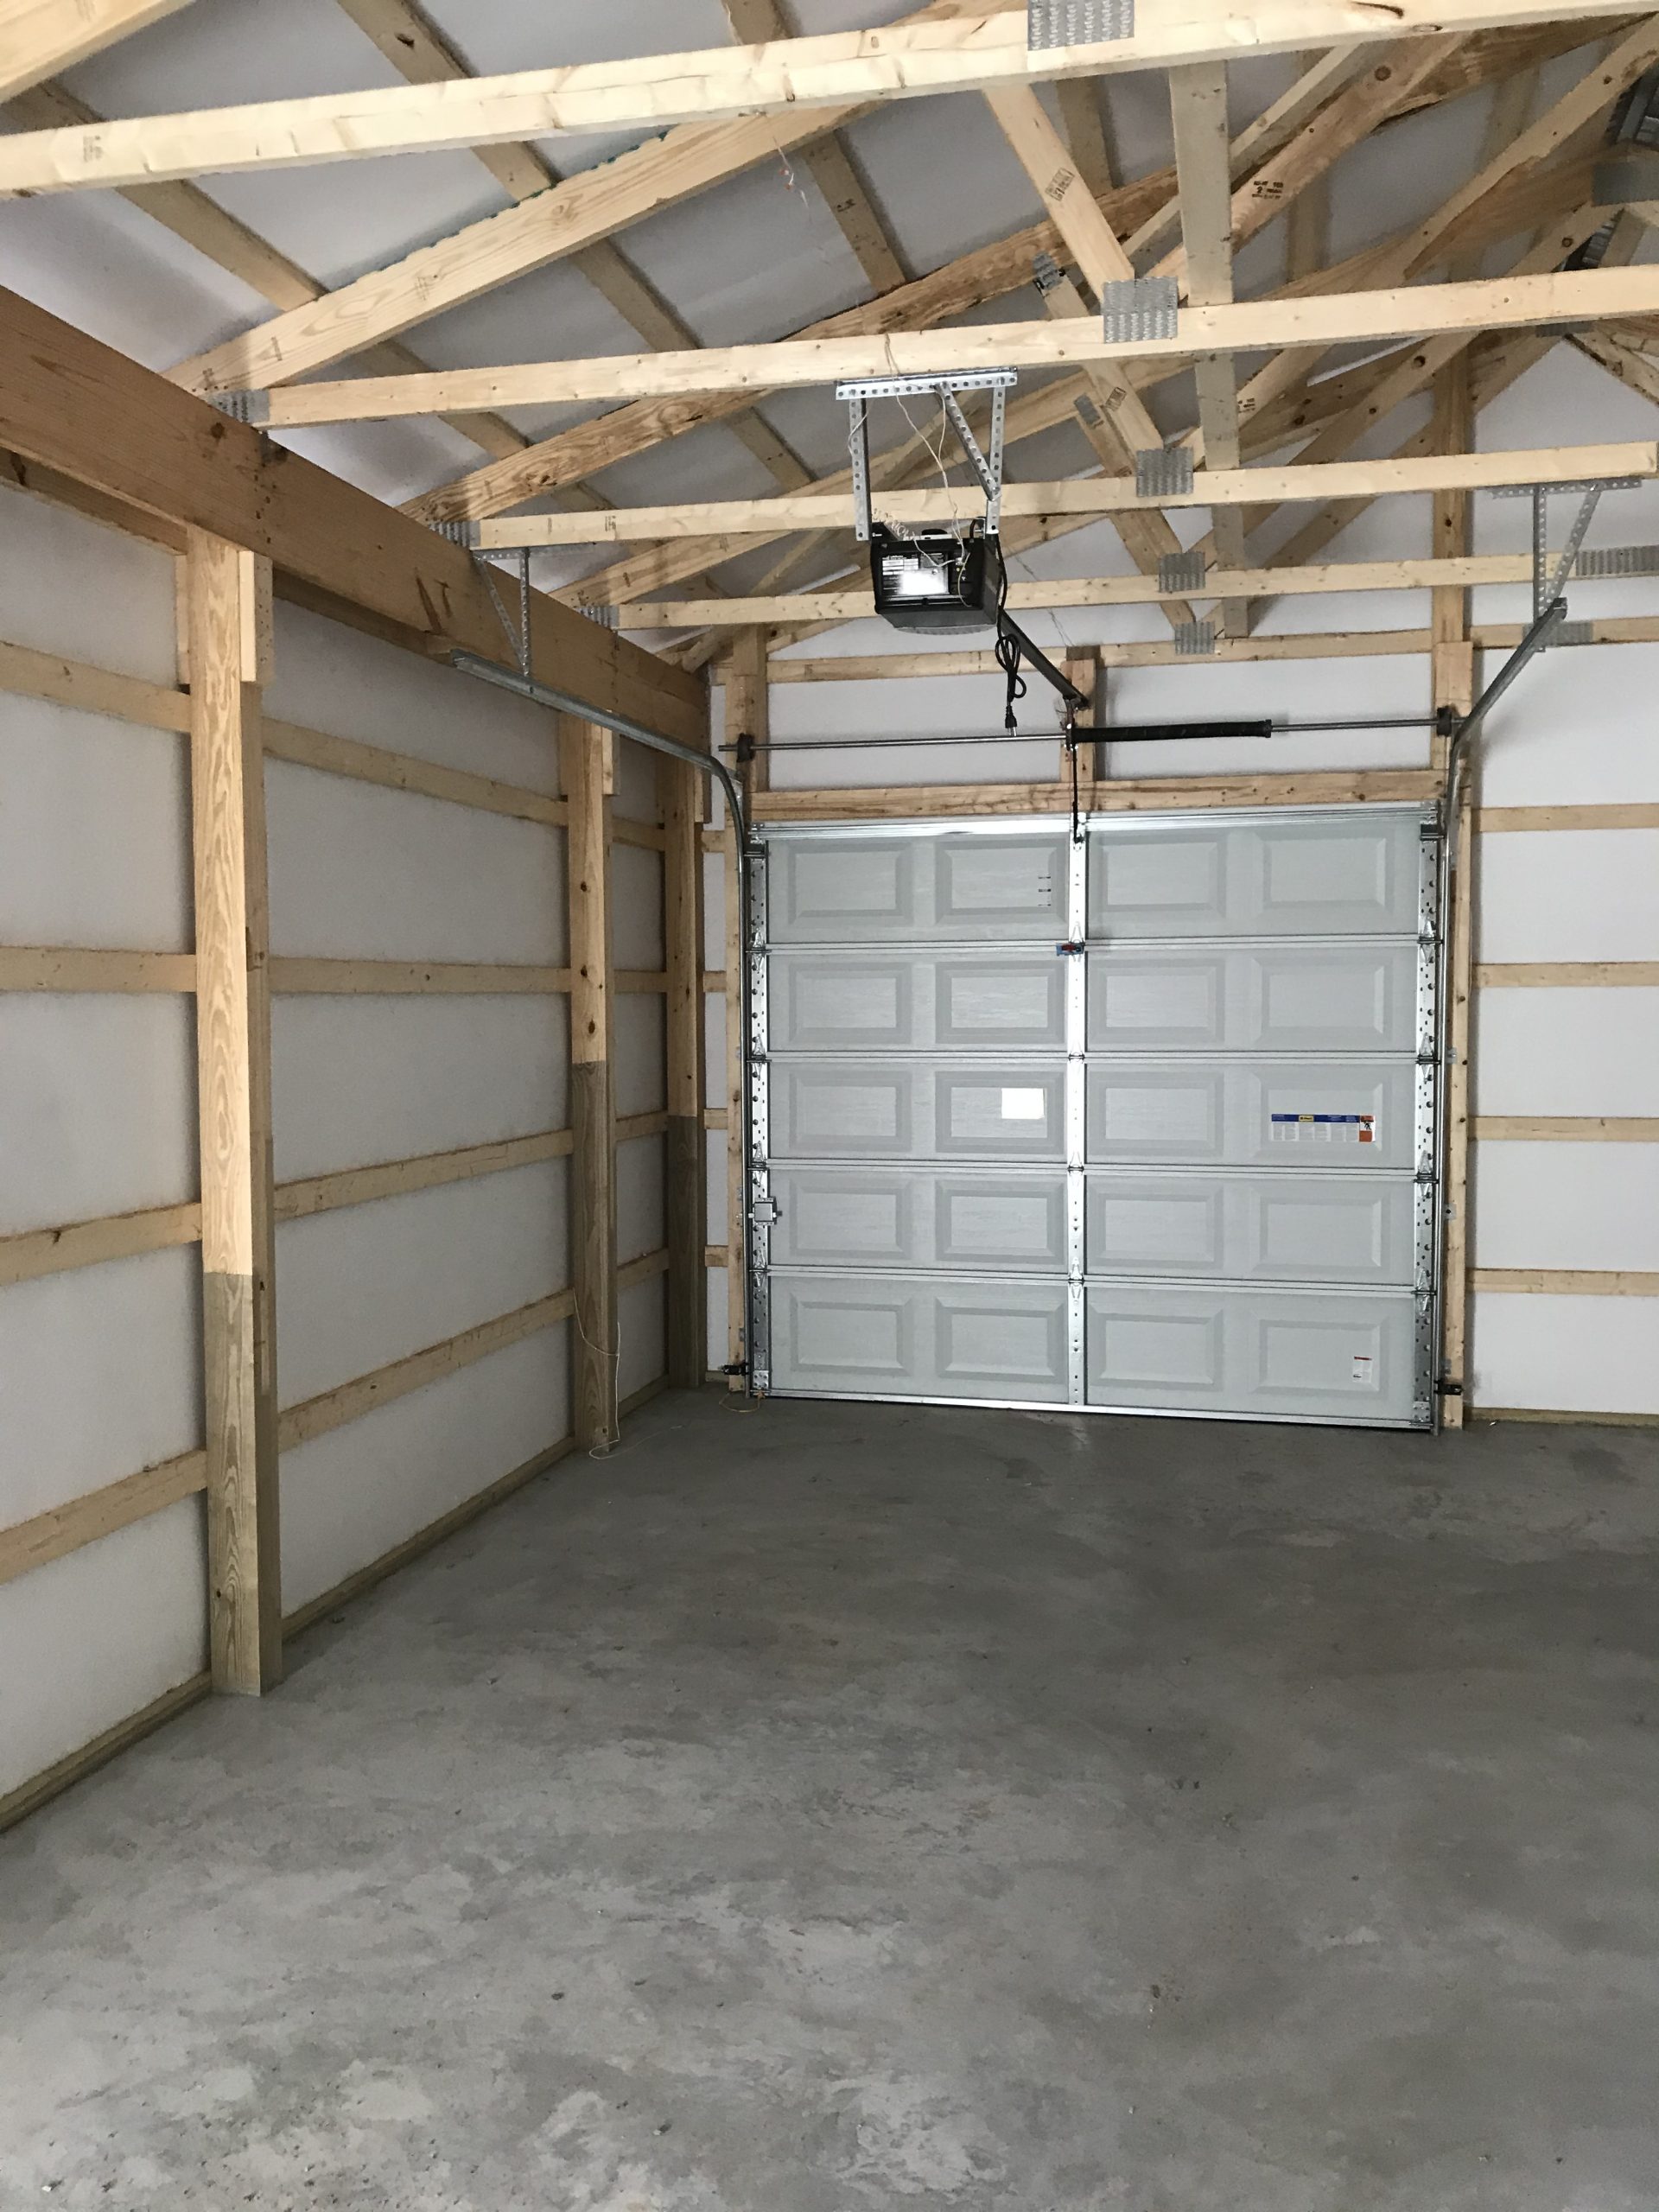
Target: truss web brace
x=988, y=468
x=1163, y=473
x=1182, y=572
x=1078, y=23
x=1139, y=310
x=1194, y=640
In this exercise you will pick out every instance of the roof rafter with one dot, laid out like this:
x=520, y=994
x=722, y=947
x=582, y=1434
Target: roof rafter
x=843, y=70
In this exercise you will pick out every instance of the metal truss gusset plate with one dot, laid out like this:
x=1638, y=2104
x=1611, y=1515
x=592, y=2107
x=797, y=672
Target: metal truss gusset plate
x=1182, y=571
x=1164, y=473
x=1194, y=640
x=1619, y=560
x=1078, y=23
x=1140, y=310
x=250, y=407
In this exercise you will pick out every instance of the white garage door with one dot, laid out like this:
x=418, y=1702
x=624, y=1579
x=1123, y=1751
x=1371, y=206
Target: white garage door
x=1141, y=1122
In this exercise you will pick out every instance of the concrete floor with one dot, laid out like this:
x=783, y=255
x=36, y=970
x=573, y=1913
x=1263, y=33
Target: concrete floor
x=818, y=1809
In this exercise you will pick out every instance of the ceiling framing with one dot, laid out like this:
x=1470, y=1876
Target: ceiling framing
x=1285, y=359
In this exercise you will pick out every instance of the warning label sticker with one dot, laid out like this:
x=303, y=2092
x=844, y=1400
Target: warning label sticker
x=1324, y=1129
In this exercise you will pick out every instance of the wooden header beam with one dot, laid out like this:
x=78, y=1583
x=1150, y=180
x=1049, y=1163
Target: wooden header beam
x=1084, y=495
x=88, y=411
x=1251, y=325
x=964, y=52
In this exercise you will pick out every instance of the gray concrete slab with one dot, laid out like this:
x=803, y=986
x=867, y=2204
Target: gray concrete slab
x=814, y=1808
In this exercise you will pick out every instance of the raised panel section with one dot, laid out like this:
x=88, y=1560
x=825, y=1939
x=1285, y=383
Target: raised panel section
x=869, y=1217
x=1320, y=873
x=914, y=1109
x=917, y=887
x=1358, y=997
x=1261, y=1227
x=916, y=1001
x=1328, y=1355
x=1142, y=1225
x=914, y=1336
x=1332, y=1115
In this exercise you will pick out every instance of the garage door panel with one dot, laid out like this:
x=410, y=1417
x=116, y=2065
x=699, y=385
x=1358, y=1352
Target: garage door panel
x=1352, y=998
x=915, y=1001
x=910, y=1336
x=1350, y=873
x=1328, y=1115
x=1253, y=1228
x=914, y=1109
x=973, y=1219
x=853, y=890
x=1283, y=1355
x=1189, y=1172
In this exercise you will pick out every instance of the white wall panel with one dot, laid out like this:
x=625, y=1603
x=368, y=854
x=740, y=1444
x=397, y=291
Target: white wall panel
x=373, y=1283
x=1577, y=729
x=95, y=830
x=97, y=1106
x=640, y=1220
x=333, y=678
x=1566, y=1205
x=357, y=871
x=639, y=1066
x=69, y=585
x=637, y=907
x=1566, y=1051
x=359, y=1080
x=1569, y=894
x=1566, y=1355
x=98, y=1636
x=349, y=1497
x=636, y=768
x=642, y=1326
x=100, y=1374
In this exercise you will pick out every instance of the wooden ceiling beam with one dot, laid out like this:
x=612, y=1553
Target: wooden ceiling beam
x=977, y=52
x=1146, y=212
x=1060, y=593
x=40, y=37
x=1351, y=318
x=1094, y=497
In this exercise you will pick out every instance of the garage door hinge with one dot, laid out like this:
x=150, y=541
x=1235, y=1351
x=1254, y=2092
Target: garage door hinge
x=767, y=1212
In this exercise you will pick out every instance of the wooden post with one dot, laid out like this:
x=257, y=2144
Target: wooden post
x=229, y=595
x=687, y=1267
x=594, y=1351
x=1082, y=666
x=747, y=715
x=1451, y=655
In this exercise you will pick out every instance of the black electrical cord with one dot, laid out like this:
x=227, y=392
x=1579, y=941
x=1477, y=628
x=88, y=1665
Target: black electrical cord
x=1009, y=650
